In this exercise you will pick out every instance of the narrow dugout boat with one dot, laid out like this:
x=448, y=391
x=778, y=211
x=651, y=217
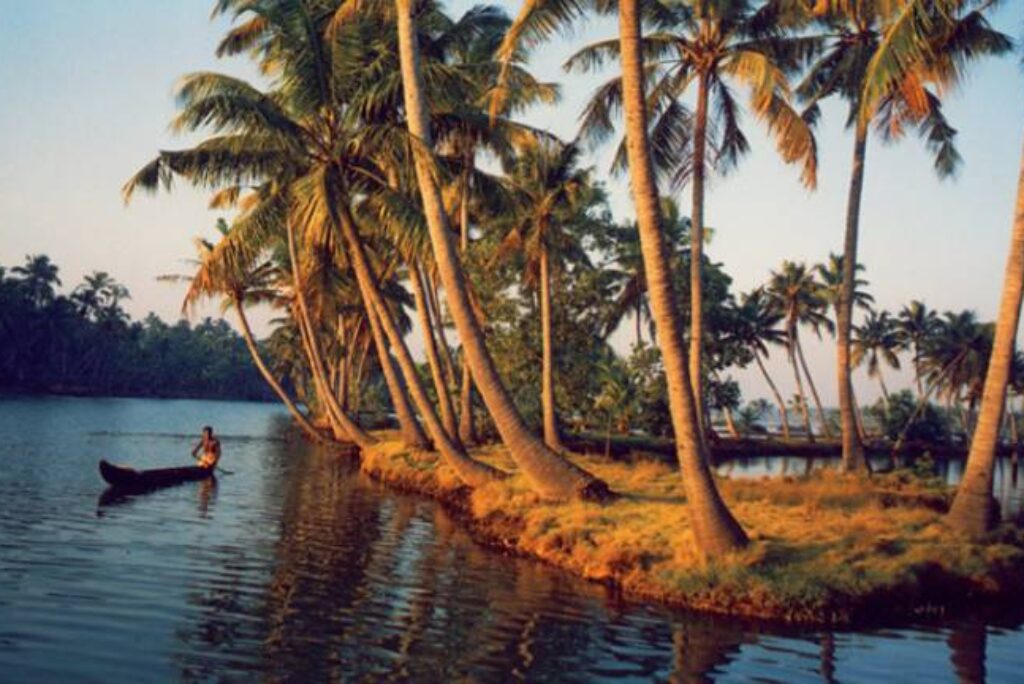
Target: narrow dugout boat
x=123, y=477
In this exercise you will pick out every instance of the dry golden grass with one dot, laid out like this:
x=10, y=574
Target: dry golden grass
x=824, y=548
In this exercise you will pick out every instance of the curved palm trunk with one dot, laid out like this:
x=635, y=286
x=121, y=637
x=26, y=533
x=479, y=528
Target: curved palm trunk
x=442, y=339
x=730, y=424
x=469, y=471
x=408, y=427
x=853, y=450
x=861, y=430
x=250, y=343
x=551, y=475
x=338, y=417
x=444, y=399
x=885, y=390
x=974, y=511
x=822, y=418
x=804, y=413
x=715, y=529
x=917, y=371
x=547, y=373
x=467, y=422
x=697, y=250
x=779, y=402
x=318, y=387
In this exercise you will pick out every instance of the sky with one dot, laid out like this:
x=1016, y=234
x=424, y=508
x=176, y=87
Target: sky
x=86, y=94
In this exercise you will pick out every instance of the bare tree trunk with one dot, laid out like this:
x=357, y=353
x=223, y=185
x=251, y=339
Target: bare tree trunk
x=822, y=418
x=730, y=424
x=442, y=338
x=551, y=475
x=444, y=399
x=791, y=350
x=341, y=422
x=254, y=350
x=547, y=373
x=697, y=250
x=779, y=401
x=408, y=427
x=715, y=529
x=473, y=473
x=853, y=450
x=974, y=510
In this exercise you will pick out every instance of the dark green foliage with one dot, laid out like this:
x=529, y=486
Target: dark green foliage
x=86, y=343
x=929, y=425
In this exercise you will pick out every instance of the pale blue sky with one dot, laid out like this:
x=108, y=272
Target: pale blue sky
x=86, y=95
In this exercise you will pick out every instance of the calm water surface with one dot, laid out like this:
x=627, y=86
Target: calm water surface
x=297, y=568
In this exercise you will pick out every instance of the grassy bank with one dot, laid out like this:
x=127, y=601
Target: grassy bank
x=825, y=549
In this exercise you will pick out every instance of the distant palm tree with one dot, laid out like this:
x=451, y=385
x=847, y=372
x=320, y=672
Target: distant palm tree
x=38, y=276
x=757, y=327
x=800, y=299
x=916, y=324
x=877, y=342
x=627, y=267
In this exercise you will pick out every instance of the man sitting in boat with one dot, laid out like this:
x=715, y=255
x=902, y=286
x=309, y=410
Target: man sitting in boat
x=210, y=447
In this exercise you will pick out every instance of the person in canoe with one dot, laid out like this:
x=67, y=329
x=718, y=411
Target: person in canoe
x=210, y=446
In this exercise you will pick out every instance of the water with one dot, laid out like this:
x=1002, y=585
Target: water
x=297, y=568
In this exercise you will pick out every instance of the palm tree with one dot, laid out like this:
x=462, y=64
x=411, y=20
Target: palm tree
x=859, y=31
x=916, y=324
x=799, y=298
x=627, y=267
x=219, y=273
x=547, y=186
x=551, y=475
x=713, y=46
x=757, y=327
x=715, y=528
x=38, y=277
x=832, y=276
x=877, y=341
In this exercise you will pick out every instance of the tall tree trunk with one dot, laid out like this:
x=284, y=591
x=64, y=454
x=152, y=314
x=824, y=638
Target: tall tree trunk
x=885, y=390
x=697, y=249
x=257, y=359
x=337, y=417
x=547, y=373
x=472, y=472
x=822, y=418
x=853, y=450
x=442, y=339
x=408, y=427
x=973, y=511
x=730, y=424
x=791, y=348
x=551, y=475
x=715, y=529
x=859, y=414
x=444, y=399
x=917, y=371
x=467, y=422
x=639, y=320
x=779, y=401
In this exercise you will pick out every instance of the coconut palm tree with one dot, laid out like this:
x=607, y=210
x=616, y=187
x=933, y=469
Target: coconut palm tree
x=707, y=49
x=219, y=274
x=799, y=298
x=550, y=474
x=916, y=324
x=627, y=267
x=38, y=276
x=547, y=185
x=715, y=529
x=877, y=341
x=857, y=33
x=757, y=327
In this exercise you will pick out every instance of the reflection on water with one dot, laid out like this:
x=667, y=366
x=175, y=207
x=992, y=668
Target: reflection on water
x=296, y=567
x=1007, y=484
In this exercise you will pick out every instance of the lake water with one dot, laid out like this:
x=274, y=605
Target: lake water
x=296, y=567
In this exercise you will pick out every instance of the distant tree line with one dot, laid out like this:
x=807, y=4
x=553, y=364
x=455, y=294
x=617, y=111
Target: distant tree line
x=84, y=342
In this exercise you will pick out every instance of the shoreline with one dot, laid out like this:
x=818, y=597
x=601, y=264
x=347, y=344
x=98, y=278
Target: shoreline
x=861, y=576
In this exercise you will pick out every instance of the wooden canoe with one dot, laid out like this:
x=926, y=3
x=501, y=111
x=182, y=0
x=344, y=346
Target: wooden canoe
x=130, y=478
